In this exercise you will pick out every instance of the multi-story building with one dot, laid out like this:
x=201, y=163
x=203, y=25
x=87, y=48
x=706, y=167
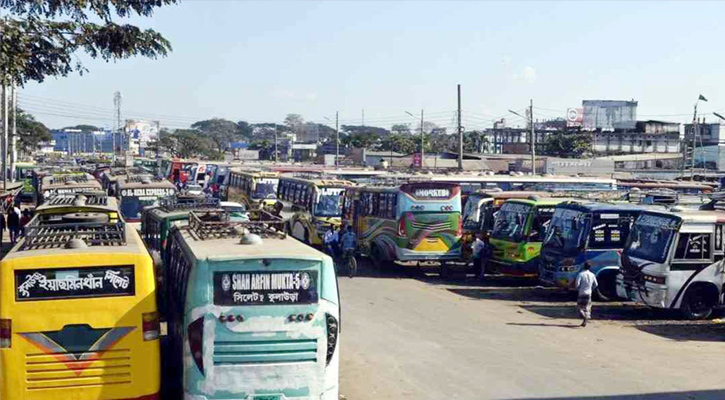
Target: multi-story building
x=645, y=137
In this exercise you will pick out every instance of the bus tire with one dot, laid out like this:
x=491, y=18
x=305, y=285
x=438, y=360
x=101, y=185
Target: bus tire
x=607, y=288
x=379, y=263
x=699, y=302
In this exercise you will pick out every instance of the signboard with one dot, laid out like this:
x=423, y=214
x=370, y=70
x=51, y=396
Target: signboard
x=246, y=154
x=574, y=117
x=265, y=288
x=571, y=166
x=68, y=283
x=432, y=193
x=148, y=192
x=72, y=190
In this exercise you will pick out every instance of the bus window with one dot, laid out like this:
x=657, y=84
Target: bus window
x=265, y=189
x=510, y=221
x=693, y=246
x=329, y=202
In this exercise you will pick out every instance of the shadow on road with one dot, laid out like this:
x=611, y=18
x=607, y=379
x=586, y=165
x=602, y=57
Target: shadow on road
x=521, y=294
x=603, y=311
x=545, y=325
x=689, y=395
x=704, y=331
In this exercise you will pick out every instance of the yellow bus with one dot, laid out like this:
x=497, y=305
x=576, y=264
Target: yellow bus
x=78, y=315
x=253, y=189
x=316, y=206
x=78, y=208
x=67, y=183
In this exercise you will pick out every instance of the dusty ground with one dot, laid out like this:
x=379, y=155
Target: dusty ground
x=406, y=334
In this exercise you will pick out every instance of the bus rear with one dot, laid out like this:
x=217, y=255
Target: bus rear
x=429, y=222
x=79, y=323
x=260, y=323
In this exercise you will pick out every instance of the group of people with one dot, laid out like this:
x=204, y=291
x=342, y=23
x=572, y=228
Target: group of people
x=14, y=220
x=337, y=244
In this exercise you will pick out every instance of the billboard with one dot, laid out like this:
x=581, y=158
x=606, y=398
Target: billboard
x=608, y=115
x=574, y=117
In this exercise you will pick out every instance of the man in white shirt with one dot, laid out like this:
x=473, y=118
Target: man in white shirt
x=586, y=282
x=478, y=248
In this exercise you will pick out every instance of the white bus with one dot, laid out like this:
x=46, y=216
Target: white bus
x=675, y=260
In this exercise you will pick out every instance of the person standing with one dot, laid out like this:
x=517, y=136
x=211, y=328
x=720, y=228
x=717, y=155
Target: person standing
x=2, y=227
x=24, y=220
x=13, y=223
x=479, y=252
x=586, y=282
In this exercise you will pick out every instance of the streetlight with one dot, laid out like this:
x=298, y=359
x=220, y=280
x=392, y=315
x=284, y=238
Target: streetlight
x=530, y=120
x=422, y=144
x=337, y=137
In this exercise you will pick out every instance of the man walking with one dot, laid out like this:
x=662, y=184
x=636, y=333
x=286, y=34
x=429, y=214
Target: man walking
x=586, y=282
x=2, y=227
x=13, y=224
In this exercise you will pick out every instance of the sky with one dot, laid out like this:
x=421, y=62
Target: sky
x=258, y=61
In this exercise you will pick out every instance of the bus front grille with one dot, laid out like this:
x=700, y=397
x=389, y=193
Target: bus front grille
x=75, y=370
x=433, y=227
x=247, y=352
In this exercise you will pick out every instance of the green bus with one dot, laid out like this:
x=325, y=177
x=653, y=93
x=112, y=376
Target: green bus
x=517, y=235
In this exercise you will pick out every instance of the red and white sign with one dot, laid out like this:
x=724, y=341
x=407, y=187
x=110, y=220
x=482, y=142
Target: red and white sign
x=574, y=117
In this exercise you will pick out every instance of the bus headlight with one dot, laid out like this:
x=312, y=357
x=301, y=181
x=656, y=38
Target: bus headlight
x=196, y=341
x=569, y=268
x=333, y=329
x=660, y=280
x=150, y=325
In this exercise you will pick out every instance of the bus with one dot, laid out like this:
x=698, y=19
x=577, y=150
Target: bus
x=78, y=315
x=674, y=260
x=677, y=186
x=587, y=232
x=176, y=170
x=543, y=183
x=157, y=221
x=138, y=192
x=517, y=235
x=65, y=183
x=418, y=221
x=255, y=316
x=254, y=189
x=78, y=208
x=316, y=206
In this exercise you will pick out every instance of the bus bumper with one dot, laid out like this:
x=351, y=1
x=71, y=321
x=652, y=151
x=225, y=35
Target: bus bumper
x=559, y=279
x=328, y=395
x=513, y=268
x=412, y=255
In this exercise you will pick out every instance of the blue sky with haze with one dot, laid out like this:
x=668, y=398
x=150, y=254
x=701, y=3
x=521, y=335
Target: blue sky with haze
x=258, y=61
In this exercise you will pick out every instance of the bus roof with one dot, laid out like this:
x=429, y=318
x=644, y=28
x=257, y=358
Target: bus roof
x=78, y=202
x=156, y=183
x=255, y=173
x=607, y=207
x=54, y=239
x=543, y=201
x=695, y=216
x=513, y=194
x=319, y=182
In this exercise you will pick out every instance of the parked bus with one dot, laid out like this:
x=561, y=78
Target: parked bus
x=135, y=194
x=674, y=260
x=176, y=170
x=412, y=222
x=65, y=183
x=587, y=232
x=250, y=317
x=254, y=189
x=157, y=221
x=78, y=208
x=553, y=183
x=517, y=235
x=316, y=204
x=677, y=186
x=78, y=315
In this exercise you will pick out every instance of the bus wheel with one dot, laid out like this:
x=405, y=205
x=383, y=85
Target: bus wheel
x=698, y=302
x=607, y=288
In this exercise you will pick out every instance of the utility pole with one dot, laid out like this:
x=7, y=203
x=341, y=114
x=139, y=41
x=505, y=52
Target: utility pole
x=460, y=132
x=117, y=107
x=533, y=137
x=422, y=141
x=275, y=142
x=14, y=153
x=5, y=134
x=337, y=139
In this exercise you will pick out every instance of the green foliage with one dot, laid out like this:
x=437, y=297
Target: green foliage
x=30, y=132
x=40, y=37
x=84, y=128
x=567, y=144
x=374, y=130
x=359, y=140
x=219, y=131
x=185, y=143
x=400, y=129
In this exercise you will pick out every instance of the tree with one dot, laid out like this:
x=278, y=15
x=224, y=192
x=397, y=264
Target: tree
x=400, y=129
x=360, y=140
x=567, y=144
x=218, y=130
x=185, y=143
x=373, y=130
x=41, y=37
x=30, y=132
x=84, y=128
x=245, y=130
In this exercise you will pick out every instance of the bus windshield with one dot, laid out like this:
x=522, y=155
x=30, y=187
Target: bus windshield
x=265, y=189
x=567, y=230
x=510, y=221
x=329, y=202
x=651, y=237
x=472, y=212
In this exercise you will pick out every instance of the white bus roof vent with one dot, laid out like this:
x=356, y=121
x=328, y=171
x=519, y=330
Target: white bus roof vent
x=677, y=209
x=250, y=239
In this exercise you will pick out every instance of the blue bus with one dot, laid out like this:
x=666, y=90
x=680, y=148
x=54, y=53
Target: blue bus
x=252, y=314
x=587, y=232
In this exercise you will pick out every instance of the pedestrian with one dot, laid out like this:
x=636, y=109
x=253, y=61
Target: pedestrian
x=2, y=226
x=13, y=224
x=479, y=253
x=24, y=220
x=586, y=282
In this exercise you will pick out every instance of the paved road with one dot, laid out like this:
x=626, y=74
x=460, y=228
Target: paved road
x=409, y=335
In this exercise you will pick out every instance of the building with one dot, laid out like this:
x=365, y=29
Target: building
x=644, y=137
x=140, y=133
